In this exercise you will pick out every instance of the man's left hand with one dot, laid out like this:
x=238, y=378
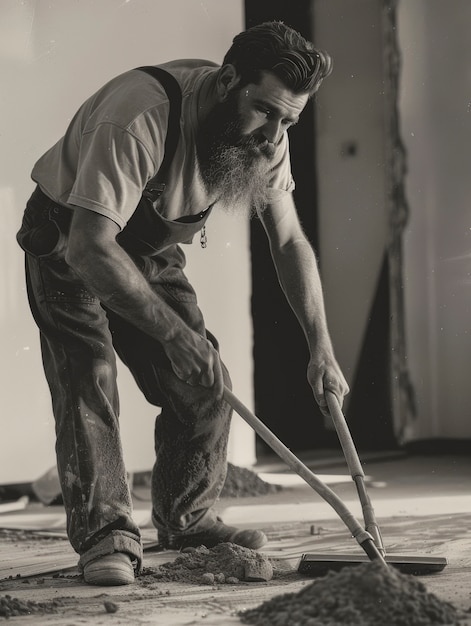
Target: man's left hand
x=323, y=374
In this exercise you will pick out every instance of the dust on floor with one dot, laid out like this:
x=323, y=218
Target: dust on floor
x=64, y=600
x=151, y=600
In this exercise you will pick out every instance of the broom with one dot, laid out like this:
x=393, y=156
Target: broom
x=369, y=538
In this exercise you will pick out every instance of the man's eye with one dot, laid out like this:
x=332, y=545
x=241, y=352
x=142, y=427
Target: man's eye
x=265, y=112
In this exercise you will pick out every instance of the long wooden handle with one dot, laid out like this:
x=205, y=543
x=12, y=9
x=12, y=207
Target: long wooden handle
x=355, y=467
x=362, y=536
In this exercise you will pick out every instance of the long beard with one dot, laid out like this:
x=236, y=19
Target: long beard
x=234, y=168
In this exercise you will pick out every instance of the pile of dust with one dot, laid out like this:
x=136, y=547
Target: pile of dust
x=225, y=563
x=242, y=482
x=12, y=607
x=365, y=595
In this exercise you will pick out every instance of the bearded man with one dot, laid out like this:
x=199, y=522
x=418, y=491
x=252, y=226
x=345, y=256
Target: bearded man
x=105, y=275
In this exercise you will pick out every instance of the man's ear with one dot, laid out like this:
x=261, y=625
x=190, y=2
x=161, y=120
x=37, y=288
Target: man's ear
x=227, y=80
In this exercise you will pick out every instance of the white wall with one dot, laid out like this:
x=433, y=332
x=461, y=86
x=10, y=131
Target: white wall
x=435, y=109
x=53, y=54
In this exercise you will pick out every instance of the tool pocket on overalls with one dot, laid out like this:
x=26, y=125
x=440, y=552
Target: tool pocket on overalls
x=44, y=233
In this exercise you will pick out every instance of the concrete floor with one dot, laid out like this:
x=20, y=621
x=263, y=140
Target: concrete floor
x=422, y=504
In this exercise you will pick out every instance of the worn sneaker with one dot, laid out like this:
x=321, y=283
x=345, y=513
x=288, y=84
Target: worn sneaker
x=112, y=569
x=210, y=537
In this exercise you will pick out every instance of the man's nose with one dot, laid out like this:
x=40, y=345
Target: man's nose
x=272, y=131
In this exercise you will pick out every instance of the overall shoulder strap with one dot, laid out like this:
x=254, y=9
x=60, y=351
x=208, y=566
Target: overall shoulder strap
x=156, y=184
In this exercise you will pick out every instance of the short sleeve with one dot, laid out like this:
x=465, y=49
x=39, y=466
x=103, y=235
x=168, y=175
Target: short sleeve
x=113, y=169
x=281, y=178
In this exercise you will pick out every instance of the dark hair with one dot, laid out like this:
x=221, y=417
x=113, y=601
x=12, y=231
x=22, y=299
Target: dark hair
x=277, y=48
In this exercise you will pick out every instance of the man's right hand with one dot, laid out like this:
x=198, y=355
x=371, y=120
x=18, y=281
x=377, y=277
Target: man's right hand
x=195, y=360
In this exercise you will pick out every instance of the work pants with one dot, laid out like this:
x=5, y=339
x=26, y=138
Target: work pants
x=79, y=338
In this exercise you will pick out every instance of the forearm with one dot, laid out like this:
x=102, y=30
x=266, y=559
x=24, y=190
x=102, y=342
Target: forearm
x=115, y=280
x=110, y=273
x=298, y=274
x=296, y=265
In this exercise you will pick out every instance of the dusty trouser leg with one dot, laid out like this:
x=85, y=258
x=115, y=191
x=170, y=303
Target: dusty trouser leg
x=80, y=367
x=191, y=436
x=192, y=429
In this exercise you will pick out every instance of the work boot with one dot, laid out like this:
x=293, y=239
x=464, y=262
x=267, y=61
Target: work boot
x=112, y=569
x=212, y=536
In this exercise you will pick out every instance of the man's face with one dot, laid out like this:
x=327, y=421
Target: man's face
x=268, y=109
x=238, y=140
